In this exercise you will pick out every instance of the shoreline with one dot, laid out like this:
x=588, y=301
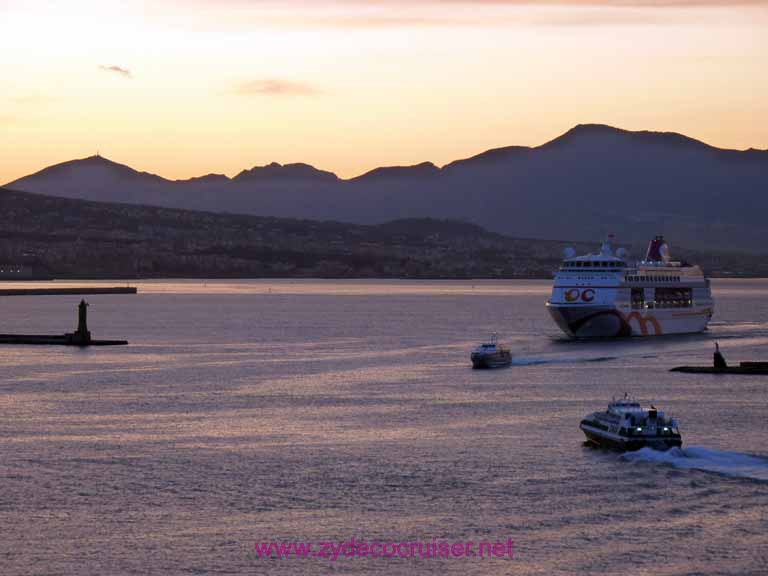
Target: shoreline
x=133, y=279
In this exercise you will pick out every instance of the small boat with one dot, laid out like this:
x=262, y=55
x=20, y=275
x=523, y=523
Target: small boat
x=491, y=355
x=627, y=426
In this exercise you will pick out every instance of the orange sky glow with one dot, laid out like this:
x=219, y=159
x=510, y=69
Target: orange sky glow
x=183, y=88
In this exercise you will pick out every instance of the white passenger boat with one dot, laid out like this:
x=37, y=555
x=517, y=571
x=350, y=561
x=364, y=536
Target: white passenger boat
x=602, y=296
x=491, y=355
x=627, y=426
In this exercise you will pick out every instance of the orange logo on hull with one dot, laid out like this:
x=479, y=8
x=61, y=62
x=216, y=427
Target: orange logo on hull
x=644, y=322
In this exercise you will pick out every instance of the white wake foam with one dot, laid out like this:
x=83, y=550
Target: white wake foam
x=697, y=458
x=529, y=361
x=559, y=360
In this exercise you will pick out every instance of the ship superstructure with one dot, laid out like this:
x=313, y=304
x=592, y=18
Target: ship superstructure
x=602, y=296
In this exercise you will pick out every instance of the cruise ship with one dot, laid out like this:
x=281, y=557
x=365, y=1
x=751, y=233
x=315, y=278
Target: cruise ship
x=603, y=296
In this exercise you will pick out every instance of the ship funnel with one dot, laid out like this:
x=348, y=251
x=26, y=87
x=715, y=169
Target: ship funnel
x=664, y=251
x=658, y=250
x=607, y=248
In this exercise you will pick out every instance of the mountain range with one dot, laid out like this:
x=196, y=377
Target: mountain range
x=591, y=181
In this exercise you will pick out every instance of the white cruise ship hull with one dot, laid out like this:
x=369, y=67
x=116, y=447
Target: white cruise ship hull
x=601, y=296
x=609, y=321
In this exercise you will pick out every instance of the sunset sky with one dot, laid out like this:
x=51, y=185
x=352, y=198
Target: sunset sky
x=186, y=87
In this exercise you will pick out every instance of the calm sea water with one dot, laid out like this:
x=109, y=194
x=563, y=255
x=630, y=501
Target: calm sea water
x=312, y=411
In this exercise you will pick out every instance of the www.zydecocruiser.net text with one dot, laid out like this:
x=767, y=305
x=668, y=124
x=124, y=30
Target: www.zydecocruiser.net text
x=362, y=549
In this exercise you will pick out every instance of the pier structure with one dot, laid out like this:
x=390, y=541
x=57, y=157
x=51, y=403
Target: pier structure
x=80, y=337
x=68, y=291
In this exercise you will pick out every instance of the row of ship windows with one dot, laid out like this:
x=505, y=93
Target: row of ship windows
x=652, y=279
x=591, y=277
x=639, y=305
x=580, y=264
x=663, y=298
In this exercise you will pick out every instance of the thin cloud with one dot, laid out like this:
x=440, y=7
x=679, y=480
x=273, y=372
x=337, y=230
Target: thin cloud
x=372, y=14
x=599, y=3
x=275, y=87
x=124, y=72
x=33, y=99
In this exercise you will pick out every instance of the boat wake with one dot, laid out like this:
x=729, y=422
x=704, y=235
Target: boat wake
x=734, y=464
x=561, y=360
